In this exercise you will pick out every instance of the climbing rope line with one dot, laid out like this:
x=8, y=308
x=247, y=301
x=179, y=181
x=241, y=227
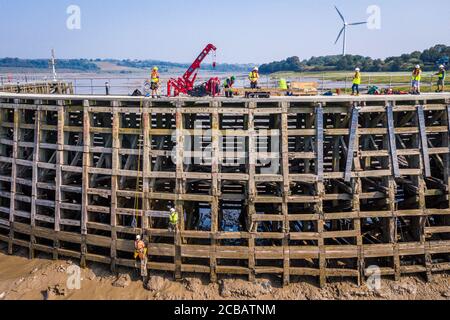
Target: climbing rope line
x=138, y=178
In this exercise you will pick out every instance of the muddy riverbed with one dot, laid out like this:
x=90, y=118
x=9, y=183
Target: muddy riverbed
x=44, y=279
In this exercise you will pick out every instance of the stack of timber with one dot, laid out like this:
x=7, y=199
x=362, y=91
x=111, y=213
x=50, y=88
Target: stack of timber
x=296, y=89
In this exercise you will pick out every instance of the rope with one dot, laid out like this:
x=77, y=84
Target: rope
x=138, y=178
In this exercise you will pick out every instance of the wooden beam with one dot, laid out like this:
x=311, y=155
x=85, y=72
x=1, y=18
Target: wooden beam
x=423, y=141
x=351, y=143
x=392, y=141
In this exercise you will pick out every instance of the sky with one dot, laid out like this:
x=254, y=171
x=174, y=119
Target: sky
x=244, y=31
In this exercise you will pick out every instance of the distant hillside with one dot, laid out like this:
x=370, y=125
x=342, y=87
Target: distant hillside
x=113, y=65
x=164, y=65
x=428, y=59
x=71, y=64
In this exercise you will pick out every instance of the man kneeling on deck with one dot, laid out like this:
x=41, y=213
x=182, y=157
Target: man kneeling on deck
x=228, y=86
x=173, y=220
x=141, y=252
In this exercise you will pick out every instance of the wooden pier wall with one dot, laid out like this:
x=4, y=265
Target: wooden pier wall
x=361, y=181
x=45, y=87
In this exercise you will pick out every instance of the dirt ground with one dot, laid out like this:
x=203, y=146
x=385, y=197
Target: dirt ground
x=43, y=279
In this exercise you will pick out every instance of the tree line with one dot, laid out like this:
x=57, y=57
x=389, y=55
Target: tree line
x=429, y=59
x=164, y=65
x=72, y=64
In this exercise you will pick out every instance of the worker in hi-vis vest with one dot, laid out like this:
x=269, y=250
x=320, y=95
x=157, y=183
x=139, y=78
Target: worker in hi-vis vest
x=228, y=86
x=282, y=84
x=356, y=82
x=415, y=80
x=154, y=84
x=441, y=78
x=173, y=220
x=141, y=252
x=254, y=78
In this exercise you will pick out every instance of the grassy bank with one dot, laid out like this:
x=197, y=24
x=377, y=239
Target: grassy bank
x=373, y=77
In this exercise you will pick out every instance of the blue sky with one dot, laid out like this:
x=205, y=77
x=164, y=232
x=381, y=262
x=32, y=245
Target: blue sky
x=244, y=31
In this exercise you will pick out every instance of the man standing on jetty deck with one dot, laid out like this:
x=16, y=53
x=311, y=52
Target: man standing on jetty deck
x=441, y=78
x=154, y=84
x=356, y=82
x=254, y=78
x=416, y=77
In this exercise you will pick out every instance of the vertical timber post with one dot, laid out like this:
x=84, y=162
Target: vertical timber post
x=215, y=156
x=357, y=187
x=14, y=156
x=320, y=189
x=115, y=181
x=58, y=180
x=85, y=184
x=252, y=225
x=180, y=136
x=286, y=191
x=425, y=173
x=146, y=172
x=391, y=143
x=34, y=188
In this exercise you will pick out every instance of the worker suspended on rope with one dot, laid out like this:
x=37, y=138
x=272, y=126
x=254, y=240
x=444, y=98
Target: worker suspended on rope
x=173, y=220
x=441, y=78
x=154, y=82
x=141, y=252
x=356, y=82
x=254, y=78
x=228, y=86
x=415, y=80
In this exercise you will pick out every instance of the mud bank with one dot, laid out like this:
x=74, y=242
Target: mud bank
x=43, y=279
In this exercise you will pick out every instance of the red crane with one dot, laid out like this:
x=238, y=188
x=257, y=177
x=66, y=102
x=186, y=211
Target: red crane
x=186, y=83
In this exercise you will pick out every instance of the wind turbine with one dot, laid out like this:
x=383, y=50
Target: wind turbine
x=344, y=30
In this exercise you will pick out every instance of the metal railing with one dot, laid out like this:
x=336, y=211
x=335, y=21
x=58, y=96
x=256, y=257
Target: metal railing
x=116, y=85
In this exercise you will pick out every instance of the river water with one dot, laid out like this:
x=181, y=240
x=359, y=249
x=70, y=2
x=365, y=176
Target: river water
x=126, y=83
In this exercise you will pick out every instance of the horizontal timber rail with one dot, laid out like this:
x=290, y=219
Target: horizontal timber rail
x=44, y=87
x=308, y=186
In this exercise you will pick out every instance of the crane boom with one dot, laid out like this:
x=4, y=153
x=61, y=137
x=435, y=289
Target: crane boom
x=185, y=84
x=197, y=63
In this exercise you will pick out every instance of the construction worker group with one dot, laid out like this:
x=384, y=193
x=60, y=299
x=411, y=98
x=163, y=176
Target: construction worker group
x=254, y=77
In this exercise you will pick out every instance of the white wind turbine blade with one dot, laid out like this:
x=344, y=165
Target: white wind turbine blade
x=340, y=34
x=357, y=23
x=340, y=14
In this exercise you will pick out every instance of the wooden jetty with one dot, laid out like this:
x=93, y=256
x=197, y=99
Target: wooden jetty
x=353, y=182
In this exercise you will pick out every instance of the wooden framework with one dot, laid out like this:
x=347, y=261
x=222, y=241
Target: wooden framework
x=48, y=87
x=358, y=182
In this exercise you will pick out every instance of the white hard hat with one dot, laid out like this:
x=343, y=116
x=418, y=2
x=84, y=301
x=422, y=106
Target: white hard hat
x=255, y=69
x=441, y=66
x=358, y=69
x=138, y=237
x=418, y=66
x=172, y=210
